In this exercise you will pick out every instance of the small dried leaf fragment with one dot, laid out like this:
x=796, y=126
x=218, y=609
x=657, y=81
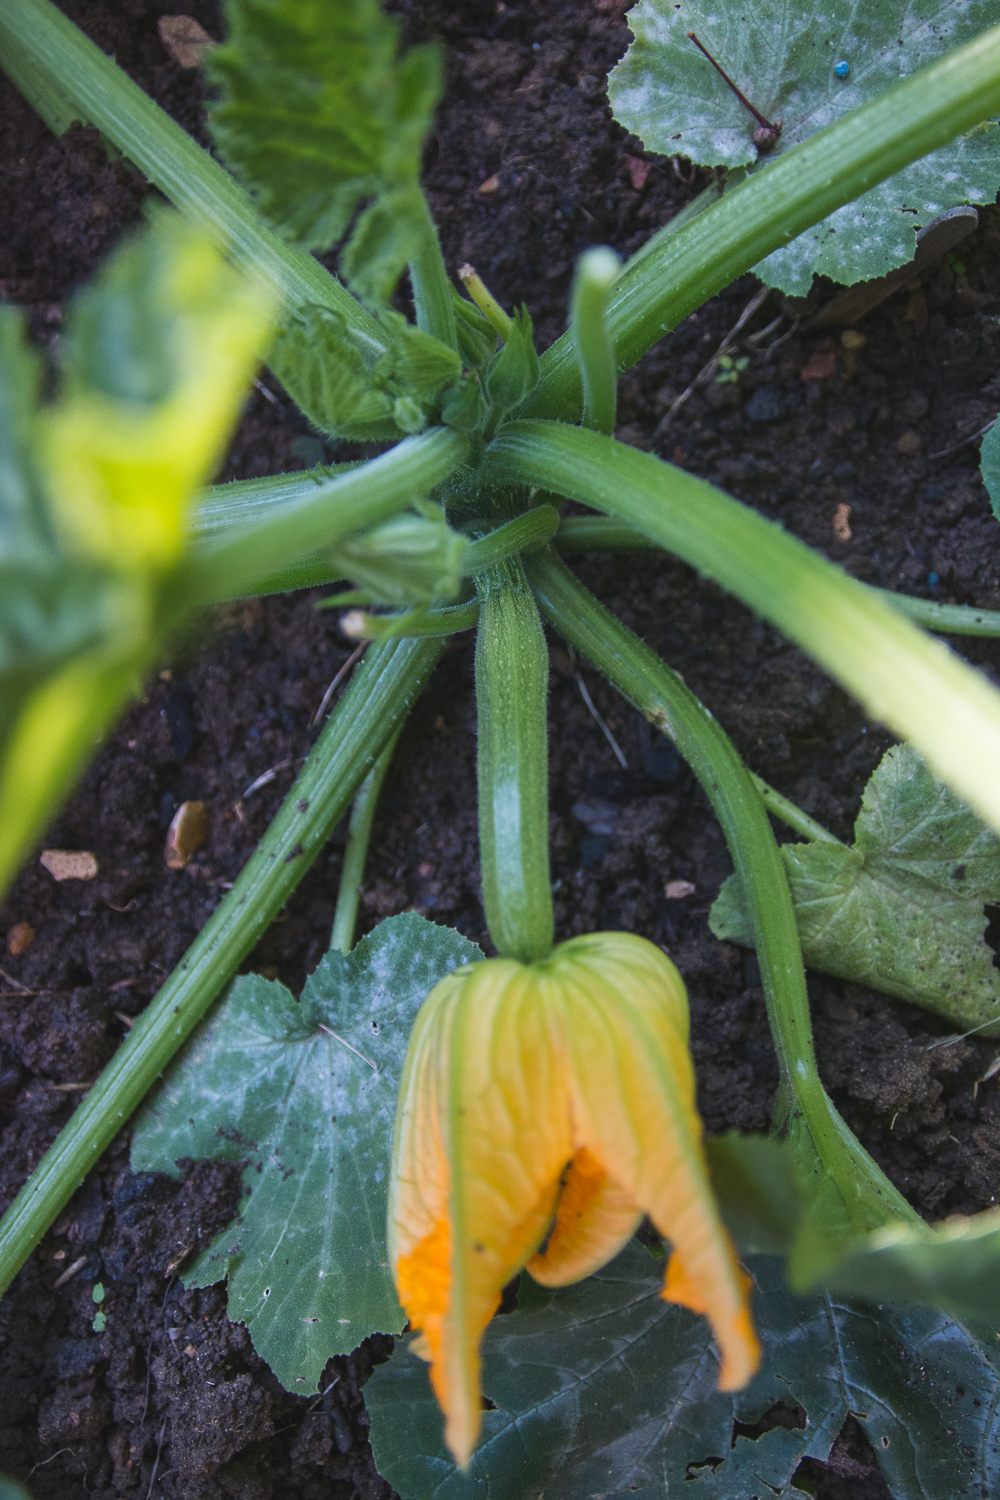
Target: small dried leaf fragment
x=185, y=40
x=188, y=832
x=20, y=938
x=69, y=864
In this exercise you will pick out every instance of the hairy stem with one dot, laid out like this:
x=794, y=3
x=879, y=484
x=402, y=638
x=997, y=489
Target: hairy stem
x=230, y=563
x=660, y=694
x=511, y=683
x=380, y=696
x=47, y=57
x=676, y=273
x=604, y=534
x=900, y=675
x=595, y=351
x=356, y=854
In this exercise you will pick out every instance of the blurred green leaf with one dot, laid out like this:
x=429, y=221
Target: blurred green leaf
x=96, y=492
x=319, y=110
x=754, y=1179
x=305, y=1094
x=672, y=98
x=954, y=1266
x=11, y=1490
x=604, y=1391
x=903, y=909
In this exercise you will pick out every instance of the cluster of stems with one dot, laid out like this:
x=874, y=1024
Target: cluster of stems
x=270, y=534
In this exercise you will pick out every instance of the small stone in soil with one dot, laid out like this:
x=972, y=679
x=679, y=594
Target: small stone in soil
x=187, y=834
x=185, y=40
x=20, y=938
x=69, y=864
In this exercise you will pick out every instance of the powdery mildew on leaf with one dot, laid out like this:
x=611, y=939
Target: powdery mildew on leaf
x=605, y=1391
x=782, y=54
x=312, y=1118
x=903, y=909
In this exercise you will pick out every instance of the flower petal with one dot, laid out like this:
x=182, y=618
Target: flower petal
x=486, y=1065
x=595, y=1219
x=633, y=1098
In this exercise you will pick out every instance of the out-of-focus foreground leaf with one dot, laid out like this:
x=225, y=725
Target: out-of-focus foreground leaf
x=319, y=112
x=11, y=1490
x=783, y=56
x=95, y=498
x=902, y=910
x=305, y=1094
x=604, y=1390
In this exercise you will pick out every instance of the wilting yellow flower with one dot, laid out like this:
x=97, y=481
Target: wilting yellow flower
x=551, y=1096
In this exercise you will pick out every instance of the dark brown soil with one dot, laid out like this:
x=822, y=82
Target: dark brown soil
x=171, y=1399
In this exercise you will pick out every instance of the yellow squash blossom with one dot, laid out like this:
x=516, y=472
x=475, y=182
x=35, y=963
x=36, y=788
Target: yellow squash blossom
x=556, y=1096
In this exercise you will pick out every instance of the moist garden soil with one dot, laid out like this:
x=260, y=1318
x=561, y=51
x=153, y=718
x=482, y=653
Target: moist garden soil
x=525, y=170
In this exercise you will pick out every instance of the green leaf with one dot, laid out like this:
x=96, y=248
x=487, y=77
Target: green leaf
x=305, y=1094
x=477, y=339
x=989, y=464
x=514, y=369
x=11, y=1490
x=669, y=95
x=324, y=371
x=96, y=493
x=351, y=388
x=902, y=910
x=955, y=1266
x=754, y=1178
x=603, y=1390
x=319, y=111
x=408, y=560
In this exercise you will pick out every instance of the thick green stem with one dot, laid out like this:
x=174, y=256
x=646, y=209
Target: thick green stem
x=38, y=43
x=512, y=671
x=595, y=351
x=230, y=564
x=356, y=854
x=433, y=298
x=659, y=693
x=376, y=701
x=529, y=531
x=603, y=534
x=900, y=675
x=674, y=275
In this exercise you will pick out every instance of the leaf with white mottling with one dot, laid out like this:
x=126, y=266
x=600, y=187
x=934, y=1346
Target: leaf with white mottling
x=903, y=909
x=304, y=1092
x=782, y=54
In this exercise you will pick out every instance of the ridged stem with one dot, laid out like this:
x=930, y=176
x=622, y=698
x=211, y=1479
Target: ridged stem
x=359, y=834
x=378, y=698
x=663, y=698
x=512, y=668
x=595, y=350
x=677, y=272
x=231, y=562
x=900, y=675
x=67, y=77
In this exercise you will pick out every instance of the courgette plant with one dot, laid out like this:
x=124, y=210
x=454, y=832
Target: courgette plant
x=321, y=119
